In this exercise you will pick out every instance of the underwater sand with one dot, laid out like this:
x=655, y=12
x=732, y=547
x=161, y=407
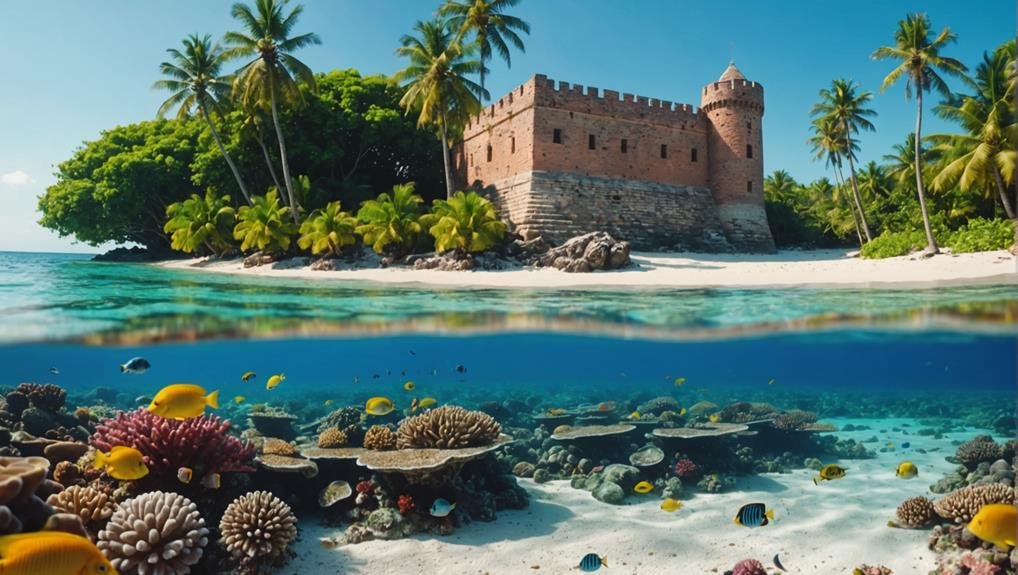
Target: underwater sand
x=818, y=529
x=786, y=268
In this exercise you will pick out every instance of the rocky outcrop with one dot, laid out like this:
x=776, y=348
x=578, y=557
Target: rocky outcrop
x=587, y=253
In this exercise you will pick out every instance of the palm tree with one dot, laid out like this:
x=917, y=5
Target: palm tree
x=264, y=225
x=436, y=82
x=849, y=113
x=984, y=154
x=197, y=223
x=327, y=230
x=920, y=62
x=490, y=25
x=465, y=223
x=274, y=73
x=780, y=186
x=391, y=220
x=253, y=121
x=830, y=144
x=196, y=83
x=874, y=181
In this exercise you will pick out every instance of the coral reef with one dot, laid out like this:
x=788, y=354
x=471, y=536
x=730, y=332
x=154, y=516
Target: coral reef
x=873, y=570
x=348, y=420
x=331, y=438
x=447, y=427
x=273, y=422
x=405, y=504
x=93, y=506
x=23, y=485
x=276, y=446
x=686, y=468
x=257, y=528
x=380, y=438
x=156, y=533
x=916, y=512
x=981, y=448
x=794, y=420
x=959, y=506
x=748, y=567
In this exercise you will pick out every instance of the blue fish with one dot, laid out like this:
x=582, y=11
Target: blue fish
x=753, y=515
x=441, y=508
x=906, y=445
x=592, y=562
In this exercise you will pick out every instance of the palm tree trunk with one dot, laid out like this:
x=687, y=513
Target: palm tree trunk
x=294, y=206
x=445, y=158
x=268, y=162
x=931, y=243
x=855, y=191
x=222, y=150
x=1002, y=189
x=839, y=177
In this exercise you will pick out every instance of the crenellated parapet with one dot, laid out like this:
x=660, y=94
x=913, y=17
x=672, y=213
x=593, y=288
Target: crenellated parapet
x=732, y=94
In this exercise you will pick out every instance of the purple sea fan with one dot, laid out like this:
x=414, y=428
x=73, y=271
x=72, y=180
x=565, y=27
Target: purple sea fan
x=748, y=567
x=202, y=443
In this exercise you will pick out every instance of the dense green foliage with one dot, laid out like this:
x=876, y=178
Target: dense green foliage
x=264, y=225
x=465, y=223
x=980, y=234
x=391, y=222
x=201, y=225
x=327, y=230
x=488, y=26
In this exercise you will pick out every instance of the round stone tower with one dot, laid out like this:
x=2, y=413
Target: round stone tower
x=734, y=107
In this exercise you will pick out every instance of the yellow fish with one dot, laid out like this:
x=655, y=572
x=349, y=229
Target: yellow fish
x=682, y=412
x=671, y=505
x=643, y=487
x=996, y=523
x=714, y=418
x=379, y=406
x=182, y=400
x=275, y=380
x=829, y=472
x=409, y=386
x=906, y=470
x=634, y=415
x=248, y=376
x=123, y=463
x=239, y=399
x=426, y=402
x=327, y=402
x=890, y=445
x=679, y=381
x=184, y=475
x=51, y=553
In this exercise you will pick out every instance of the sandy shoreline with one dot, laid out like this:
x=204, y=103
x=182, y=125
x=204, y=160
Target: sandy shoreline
x=819, y=268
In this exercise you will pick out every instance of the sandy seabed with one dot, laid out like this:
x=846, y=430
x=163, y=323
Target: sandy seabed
x=820, y=268
x=829, y=528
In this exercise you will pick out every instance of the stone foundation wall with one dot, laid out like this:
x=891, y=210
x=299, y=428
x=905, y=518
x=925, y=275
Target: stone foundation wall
x=651, y=216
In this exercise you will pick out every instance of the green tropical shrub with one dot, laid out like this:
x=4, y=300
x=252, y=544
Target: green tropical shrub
x=199, y=224
x=327, y=230
x=466, y=223
x=264, y=225
x=981, y=235
x=893, y=244
x=391, y=222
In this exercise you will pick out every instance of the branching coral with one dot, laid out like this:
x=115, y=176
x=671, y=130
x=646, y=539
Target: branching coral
x=405, y=504
x=686, y=468
x=331, y=438
x=980, y=448
x=257, y=527
x=156, y=533
x=93, y=506
x=380, y=438
x=447, y=427
x=201, y=443
x=794, y=420
x=45, y=396
x=959, y=506
x=916, y=512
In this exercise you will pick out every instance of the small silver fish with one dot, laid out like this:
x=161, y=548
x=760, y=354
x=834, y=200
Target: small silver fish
x=441, y=508
x=54, y=371
x=136, y=365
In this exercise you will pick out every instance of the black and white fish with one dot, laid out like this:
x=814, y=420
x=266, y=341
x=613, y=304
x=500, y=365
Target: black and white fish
x=136, y=365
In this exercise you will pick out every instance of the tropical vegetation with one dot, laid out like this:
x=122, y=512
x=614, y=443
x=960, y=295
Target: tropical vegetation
x=264, y=225
x=465, y=223
x=201, y=225
x=391, y=222
x=327, y=230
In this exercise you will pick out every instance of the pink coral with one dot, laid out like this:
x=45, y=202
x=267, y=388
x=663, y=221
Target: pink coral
x=202, y=443
x=748, y=567
x=977, y=565
x=405, y=504
x=686, y=468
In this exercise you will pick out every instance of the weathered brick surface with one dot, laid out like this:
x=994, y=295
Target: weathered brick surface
x=509, y=149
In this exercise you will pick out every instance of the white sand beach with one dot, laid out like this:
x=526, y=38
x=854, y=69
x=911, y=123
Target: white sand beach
x=829, y=528
x=820, y=268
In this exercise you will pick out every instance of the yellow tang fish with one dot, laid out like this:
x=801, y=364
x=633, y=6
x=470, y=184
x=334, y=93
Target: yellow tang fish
x=679, y=381
x=829, y=472
x=643, y=487
x=51, y=553
x=379, y=406
x=275, y=380
x=996, y=523
x=409, y=386
x=327, y=402
x=714, y=418
x=906, y=470
x=426, y=402
x=248, y=376
x=682, y=412
x=671, y=505
x=239, y=399
x=123, y=463
x=183, y=400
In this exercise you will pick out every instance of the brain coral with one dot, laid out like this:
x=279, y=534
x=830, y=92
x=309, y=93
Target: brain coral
x=257, y=526
x=962, y=504
x=380, y=438
x=156, y=533
x=447, y=427
x=916, y=512
x=331, y=438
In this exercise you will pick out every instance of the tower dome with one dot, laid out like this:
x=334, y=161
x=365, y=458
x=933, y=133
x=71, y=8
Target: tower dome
x=731, y=73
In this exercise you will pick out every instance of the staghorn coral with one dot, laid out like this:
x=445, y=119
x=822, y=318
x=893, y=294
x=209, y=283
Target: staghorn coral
x=45, y=396
x=447, y=427
x=200, y=443
x=959, y=506
x=155, y=533
x=981, y=448
x=380, y=438
x=257, y=527
x=331, y=437
x=748, y=567
x=93, y=506
x=794, y=420
x=916, y=512
x=275, y=446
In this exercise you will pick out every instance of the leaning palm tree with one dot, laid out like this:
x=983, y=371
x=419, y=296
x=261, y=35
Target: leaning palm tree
x=253, y=125
x=195, y=80
x=847, y=109
x=436, y=83
x=274, y=73
x=491, y=26
x=830, y=144
x=920, y=62
x=983, y=156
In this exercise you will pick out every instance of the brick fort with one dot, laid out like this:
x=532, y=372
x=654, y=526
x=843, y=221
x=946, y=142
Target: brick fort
x=560, y=160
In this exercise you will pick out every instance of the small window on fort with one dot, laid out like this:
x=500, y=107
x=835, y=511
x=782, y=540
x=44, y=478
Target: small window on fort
x=556, y=136
x=512, y=145
x=625, y=145
x=664, y=150
x=749, y=151
x=591, y=142
x=749, y=126
x=749, y=187
x=489, y=152
x=692, y=155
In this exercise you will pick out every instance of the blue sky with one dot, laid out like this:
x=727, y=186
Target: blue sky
x=72, y=69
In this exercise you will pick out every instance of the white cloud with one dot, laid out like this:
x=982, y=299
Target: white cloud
x=17, y=178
